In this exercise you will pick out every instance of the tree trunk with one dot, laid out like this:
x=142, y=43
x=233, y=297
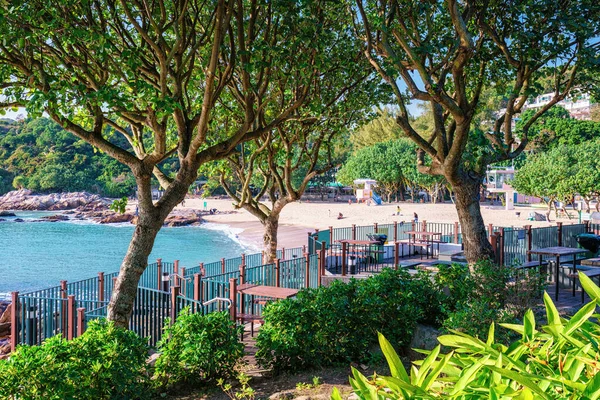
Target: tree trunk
x=466, y=192
x=271, y=225
x=151, y=219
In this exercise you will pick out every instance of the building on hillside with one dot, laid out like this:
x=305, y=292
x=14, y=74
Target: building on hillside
x=498, y=182
x=578, y=105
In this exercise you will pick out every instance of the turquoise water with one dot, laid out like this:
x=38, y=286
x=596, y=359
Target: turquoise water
x=34, y=255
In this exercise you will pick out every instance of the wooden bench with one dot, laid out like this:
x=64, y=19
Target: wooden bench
x=252, y=318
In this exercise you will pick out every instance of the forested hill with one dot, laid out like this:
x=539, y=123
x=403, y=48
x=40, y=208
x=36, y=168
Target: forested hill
x=38, y=154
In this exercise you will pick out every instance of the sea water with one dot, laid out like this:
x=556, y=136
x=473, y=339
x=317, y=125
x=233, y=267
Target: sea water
x=35, y=255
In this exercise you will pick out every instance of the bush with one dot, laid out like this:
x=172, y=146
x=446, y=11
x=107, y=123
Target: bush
x=490, y=294
x=338, y=324
x=558, y=361
x=198, y=348
x=104, y=363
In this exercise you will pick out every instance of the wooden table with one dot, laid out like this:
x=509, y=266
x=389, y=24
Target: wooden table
x=428, y=238
x=558, y=252
x=352, y=242
x=267, y=291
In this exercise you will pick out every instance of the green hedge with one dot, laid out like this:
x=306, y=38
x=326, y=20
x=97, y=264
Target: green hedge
x=104, y=363
x=339, y=324
x=198, y=349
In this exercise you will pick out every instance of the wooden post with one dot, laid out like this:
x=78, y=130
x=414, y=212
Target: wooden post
x=223, y=264
x=307, y=270
x=528, y=237
x=501, y=246
x=490, y=231
x=233, y=298
x=586, y=226
x=100, y=286
x=396, y=255
x=197, y=292
x=323, y=265
x=319, y=271
x=277, y=273
x=63, y=295
x=159, y=274
x=283, y=253
x=331, y=234
x=344, y=247
x=14, y=321
x=456, y=232
x=80, y=321
x=559, y=225
x=70, y=317
x=375, y=227
x=243, y=259
x=395, y=231
x=412, y=225
x=181, y=282
x=494, y=243
x=303, y=249
x=242, y=274
x=425, y=228
x=176, y=267
x=174, y=294
x=353, y=232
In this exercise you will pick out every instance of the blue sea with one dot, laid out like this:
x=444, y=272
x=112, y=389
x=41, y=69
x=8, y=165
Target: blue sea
x=34, y=255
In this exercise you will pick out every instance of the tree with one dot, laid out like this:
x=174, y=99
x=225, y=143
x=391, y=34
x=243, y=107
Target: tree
x=189, y=80
x=447, y=52
x=281, y=163
x=380, y=129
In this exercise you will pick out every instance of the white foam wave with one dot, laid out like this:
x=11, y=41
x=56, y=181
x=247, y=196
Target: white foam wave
x=233, y=234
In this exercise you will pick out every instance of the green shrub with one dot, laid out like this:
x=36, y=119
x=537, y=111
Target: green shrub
x=337, y=324
x=104, y=363
x=198, y=348
x=489, y=294
x=557, y=361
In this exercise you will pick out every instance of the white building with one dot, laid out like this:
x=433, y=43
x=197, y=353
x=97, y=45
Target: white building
x=578, y=105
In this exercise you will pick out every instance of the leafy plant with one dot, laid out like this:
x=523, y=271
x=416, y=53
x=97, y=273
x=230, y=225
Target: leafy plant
x=337, y=324
x=245, y=391
x=556, y=361
x=119, y=206
x=104, y=363
x=198, y=348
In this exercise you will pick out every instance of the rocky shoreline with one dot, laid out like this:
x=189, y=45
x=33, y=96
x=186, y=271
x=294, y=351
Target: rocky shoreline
x=4, y=329
x=80, y=206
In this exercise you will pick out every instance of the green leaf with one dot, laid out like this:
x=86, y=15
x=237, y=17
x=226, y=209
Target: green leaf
x=335, y=394
x=590, y=287
x=396, y=368
x=521, y=378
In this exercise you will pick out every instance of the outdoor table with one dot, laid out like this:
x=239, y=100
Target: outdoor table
x=558, y=252
x=267, y=291
x=428, y=239
x=346, y=243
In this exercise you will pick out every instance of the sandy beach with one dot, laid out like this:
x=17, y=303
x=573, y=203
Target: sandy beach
x=300, y=218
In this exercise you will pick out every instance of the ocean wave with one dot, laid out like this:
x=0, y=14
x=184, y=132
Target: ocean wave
x=233, y=234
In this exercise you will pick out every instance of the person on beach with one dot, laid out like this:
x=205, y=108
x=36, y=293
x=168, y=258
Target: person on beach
x=416, y=218
x=398, y=210
x=340, y=216
x=349, y=202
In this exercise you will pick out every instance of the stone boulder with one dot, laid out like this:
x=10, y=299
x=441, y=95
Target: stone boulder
x=116, y=218
x=183, y=219
x=54, y=218
x=26, y=200
x=424, y=338
x=7, y=214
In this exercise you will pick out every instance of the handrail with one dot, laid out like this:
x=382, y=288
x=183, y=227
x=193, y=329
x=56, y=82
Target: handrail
x=223, y=299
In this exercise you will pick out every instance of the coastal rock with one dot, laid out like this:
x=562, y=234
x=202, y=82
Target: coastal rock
x=4, y=312
x=19, y=220
x=25, y=200
x=54, y=218
x=7, y=214
x=5, y=329
x=183, y=219
x=2, y=220
x=115, y=218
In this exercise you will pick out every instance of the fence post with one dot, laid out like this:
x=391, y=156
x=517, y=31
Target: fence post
x=395, y=231
x=71, y=316
x=14, y=320
x=559, y=225
x=243, y=259
x=528, y=235
x=307, y=269
x=412, y=226
x=455, y=232
x=283, y=253
x=331, y=234
x=375, y=227
x=100, y=286
x=396, y=255
x=501, y=246
x=182, y=282
x=242, y=274
x=303, y=249
x=490, y=230
x=277, y=273
x=344, y=248
x=222, y=265
x=80, y=321
x=425, y=227
x=353, y=232
x=63, y=295
x=319, y=267
x=586, y=225
x=174, y=310
x=159, y=273
x=233, y=298
x=197, y=279
x=494, y=243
